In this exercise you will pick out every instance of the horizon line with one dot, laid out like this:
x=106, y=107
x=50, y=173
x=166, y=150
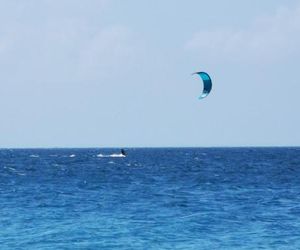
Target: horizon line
x=154, y=147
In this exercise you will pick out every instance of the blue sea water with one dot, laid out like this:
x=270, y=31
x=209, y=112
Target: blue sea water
x=164, y=198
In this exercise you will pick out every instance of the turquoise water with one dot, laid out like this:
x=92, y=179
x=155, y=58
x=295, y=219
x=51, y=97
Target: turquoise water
x=184, y=198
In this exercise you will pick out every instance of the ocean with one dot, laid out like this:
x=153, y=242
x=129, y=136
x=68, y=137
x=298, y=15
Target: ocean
x=155, y=198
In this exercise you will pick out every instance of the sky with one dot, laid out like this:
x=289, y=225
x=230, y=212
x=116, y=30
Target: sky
x=114, y=73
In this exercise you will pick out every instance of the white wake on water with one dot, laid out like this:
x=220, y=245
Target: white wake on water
x=112, y=155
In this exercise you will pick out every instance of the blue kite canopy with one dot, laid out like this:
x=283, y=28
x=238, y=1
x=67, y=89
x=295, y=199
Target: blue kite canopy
x=207, y=84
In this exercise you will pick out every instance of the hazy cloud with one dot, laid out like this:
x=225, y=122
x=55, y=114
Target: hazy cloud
x=63, y=42
x=269, y=39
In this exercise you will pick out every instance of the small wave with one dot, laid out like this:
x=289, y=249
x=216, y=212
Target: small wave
x=13, y=170
x=19, y=173
x=34, y=156
x=10, y=168
x=191, y=215
x=72, y=155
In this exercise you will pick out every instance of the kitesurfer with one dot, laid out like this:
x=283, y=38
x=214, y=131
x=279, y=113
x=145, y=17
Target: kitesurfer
x=123, y=152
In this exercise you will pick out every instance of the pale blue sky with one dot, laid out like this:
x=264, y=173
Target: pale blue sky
x=114, y=73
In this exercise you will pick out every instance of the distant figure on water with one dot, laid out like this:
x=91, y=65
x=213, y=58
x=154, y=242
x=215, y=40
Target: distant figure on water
x=123, y=152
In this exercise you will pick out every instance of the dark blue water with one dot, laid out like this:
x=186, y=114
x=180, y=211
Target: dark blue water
x=234, y=198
